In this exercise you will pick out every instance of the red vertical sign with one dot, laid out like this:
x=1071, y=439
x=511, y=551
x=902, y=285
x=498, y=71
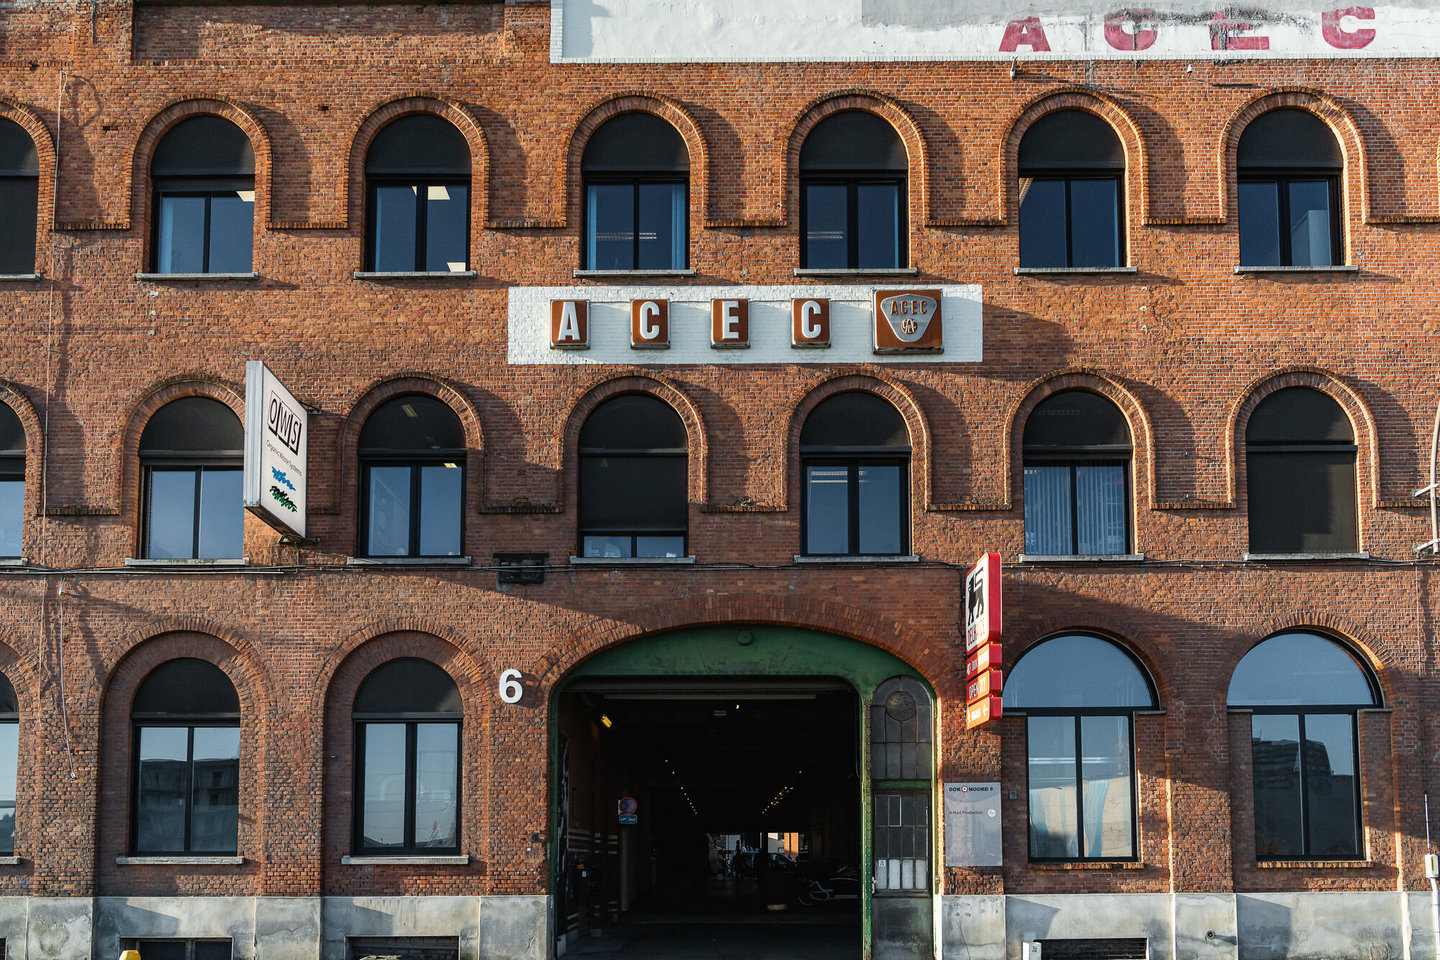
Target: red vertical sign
x=983, y=676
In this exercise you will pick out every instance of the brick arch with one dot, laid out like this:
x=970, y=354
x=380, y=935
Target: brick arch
x=1114, y=630
x=697, y=455
x=44, y=141
x=161, y=123
x=364, y=132
x=1354, y=181
x=667, y=109
x=887, y=388
x=918, y=192
x=1107, y=386
x=1362, y=422
x=1107, y=108
x=1354, y=638
x=347, y=453
x=14, y=397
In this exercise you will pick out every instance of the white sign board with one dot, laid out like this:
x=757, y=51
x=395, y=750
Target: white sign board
x=918, y=30
x=972, y=825
x=276, y=433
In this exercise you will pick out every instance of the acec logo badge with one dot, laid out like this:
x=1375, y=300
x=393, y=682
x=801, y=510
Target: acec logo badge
x=908, y=321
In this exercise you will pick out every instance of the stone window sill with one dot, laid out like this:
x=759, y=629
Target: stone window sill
x=19, y=277
x=860, y=558
x=1079, y=271
x=852, y=272
x=9, y=861
x=456, y=861
x=179, y=861
x=1067, y=865
x=1327, y=268
x=188, y=564
x=623, y=274
x=14, y=562
x=632, y=561
x=414, y=274
x=1305, y=557
x=1081, y=558
x=165, y=277
x=1315, y=864
x=407, y=561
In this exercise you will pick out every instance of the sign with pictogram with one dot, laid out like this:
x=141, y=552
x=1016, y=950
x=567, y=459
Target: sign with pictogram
x=983, y=678
x=628, y=810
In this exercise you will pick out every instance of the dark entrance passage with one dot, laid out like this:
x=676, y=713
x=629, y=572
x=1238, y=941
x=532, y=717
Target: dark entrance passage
x=744, y=837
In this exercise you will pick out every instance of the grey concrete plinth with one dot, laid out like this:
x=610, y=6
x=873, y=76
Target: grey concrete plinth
x=901, y=928
x=1320, y=926
x=514, y=928
x=57, y=928
x=1421, y=928
x=1084, y=916
x=1205, y=926
x=344, y=917
x=133, y=918
x=972, y=928
x=287, y=928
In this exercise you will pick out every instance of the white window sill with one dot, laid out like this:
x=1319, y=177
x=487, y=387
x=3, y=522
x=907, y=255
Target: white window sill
x=9, y=861
x=860, y=558
x=622, y=274
x=1080, y=558
x=1306, y=557
x=407, y=561
x=14, y=562
x=1028, y=271
x=852, y=272
x=414, y=274
x=202, y=563
x=631, y=561
x=456, y=861
x=1326, y=268
x=18, y=278
x=179, y=861
x=196, y=276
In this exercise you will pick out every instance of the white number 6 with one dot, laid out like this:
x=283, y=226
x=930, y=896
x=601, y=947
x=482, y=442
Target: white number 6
x=510, y=688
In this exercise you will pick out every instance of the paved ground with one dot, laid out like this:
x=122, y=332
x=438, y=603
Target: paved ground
x=706, y=938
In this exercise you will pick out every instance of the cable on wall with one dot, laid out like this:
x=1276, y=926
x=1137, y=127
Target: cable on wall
x=60, y=675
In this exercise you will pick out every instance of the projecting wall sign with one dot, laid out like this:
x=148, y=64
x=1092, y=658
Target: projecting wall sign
x=760, y=30
x=758, y=325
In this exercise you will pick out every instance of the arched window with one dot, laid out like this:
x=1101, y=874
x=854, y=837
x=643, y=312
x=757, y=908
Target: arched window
x=901, y=749
x=853, y=172
x=186, y=719
x=417, y=179
x=1303, y=691
x=9, y=764
x=1300, y=473
x=192, y=460
x=855, y=457
x=1071, y=192
x=1288, y=178
x=634, y=498
x=407, y=760
x=1077, y=477
x=1079, y=694
x=12, y=485
x=636, y=175
x=19, y=199
x=203, y=177
x=412, y=477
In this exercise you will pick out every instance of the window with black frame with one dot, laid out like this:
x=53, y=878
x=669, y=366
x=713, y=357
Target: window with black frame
x=19, y=199
x=1077, y=477
x=1300, y=474
x=855, y=465
x=186, y=794
x=1079, y=694
x=1288, y=166
x=901, y=765
x=9, y=764
x=407, y=717
x=853, y=175
x=417, y=179
x=1072, y=197
x=634, y=491
x=12, y=484
x=636, y=177
x=203, y=178
x=181, y=949
x=1304, y=691
x=192, y=464
x=412, y=478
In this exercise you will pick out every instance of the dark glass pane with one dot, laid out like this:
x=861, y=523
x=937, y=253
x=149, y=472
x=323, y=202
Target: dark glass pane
x=1332, y=789
x=447, y=227
x=441, y=488
x=635, y=143
x=18, y=155
x=222, y=515
x=19, y=198
x=420, y=143
x=414, y=423
x=160, y=789
x=1275, y=752
x=186, y=686
x=180, y=241
x=12, y=517
x=205, y=146
x=877, y=225
x=382, y=814
x=608, y=547
x=232, y=217
x=9, y=708
x=1301, y=502
x=410, y=948
x=853, y=140
x=1077, y=671
x=1094, y=223
x=881, y=524
x=165, y=950
x=610, y=226
x=659, y=546
x=170, y=514
x=1070, y=139
x=1260, y=224
x=1042, y=223
x=1100, y=507
x=9, y=765
x=407, y=685
x=826, y=215
x=1053, y=830
x=1076, y=419
x=1107, y=806
x=1298, y=415
x=1299, y=669
x=1288, y=138
x=827, y=509
x=635, y=421
x=633, y=494
x=193, y=425
x=1049, y=521
x=208, y=950
x=662, y=226
x=396, y=213
x=12, y=440
x=215, y=787
x=1310, y=223
x=388, y=516
x=855, y=419
x=437, y=785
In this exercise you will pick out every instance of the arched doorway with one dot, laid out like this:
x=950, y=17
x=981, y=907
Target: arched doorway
x=767, y=790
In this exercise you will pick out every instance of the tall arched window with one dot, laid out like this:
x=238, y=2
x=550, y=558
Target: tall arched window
x=901, y=752
x=407, y=760
x=19, y=199
x=1079, y=694
x=12, y=485
x=417, y=180
x=634, y=498
x=186, y=719
x=855, y=458
x=1072, y=168
x=1300, y=474
x=9, y=764
x=412, y=479
x=1288, y=178
x=636, y=176
x=1077, y=477
x=192, y=463
x=853, y=173
x=203, y=178
x=1303, y=691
